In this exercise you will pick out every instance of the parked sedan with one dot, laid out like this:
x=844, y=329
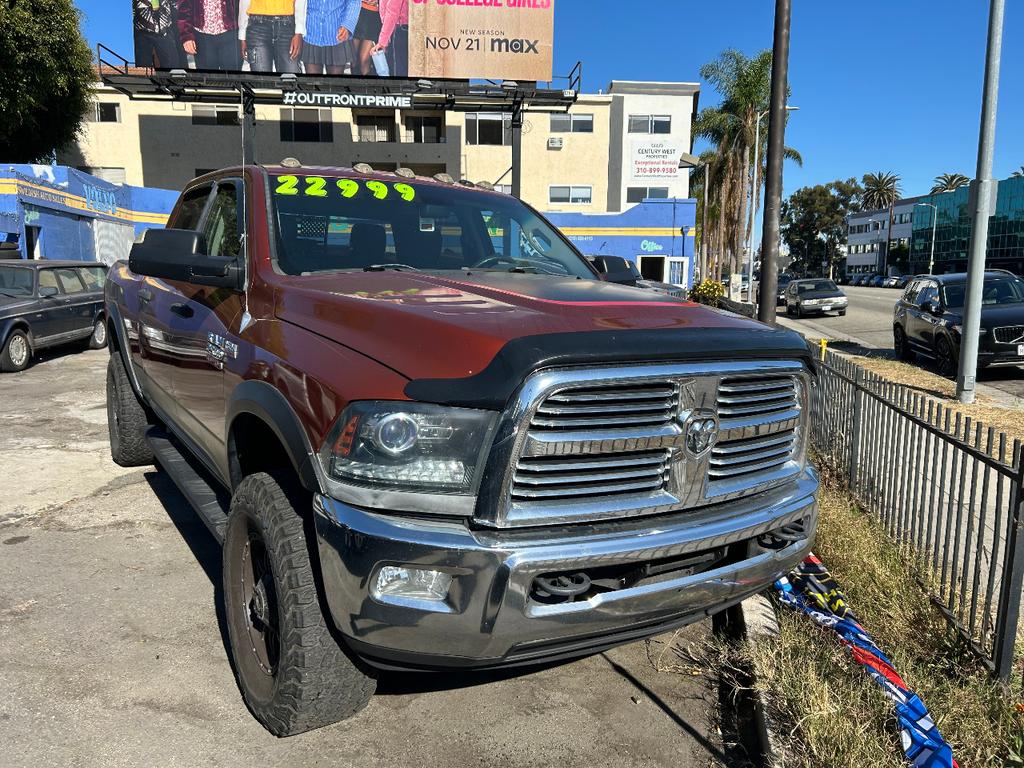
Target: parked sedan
x=875, y=281
x=892, y=281
x=784, y=281
x=46, y=303
x=928, y=320
x=816, y=296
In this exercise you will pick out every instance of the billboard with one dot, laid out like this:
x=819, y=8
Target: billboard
x=460, y=39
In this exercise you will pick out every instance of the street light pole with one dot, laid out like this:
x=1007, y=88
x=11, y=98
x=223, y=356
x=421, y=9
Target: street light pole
x=753, y=201
x=935, y=220
x=982, y=189
x=776, y=147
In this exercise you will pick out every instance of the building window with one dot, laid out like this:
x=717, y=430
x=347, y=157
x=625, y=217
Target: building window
x=375, y=128
x=424, y=130
x=578, y=195
x=503, y=188
x=639, y=194
x=105, y=112
x=306, y=125
x=650, y=124
x=568, y=123
x=488, y=128
x=207, y=115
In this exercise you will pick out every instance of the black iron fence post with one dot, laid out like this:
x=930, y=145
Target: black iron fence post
x=1008, y=615
x=858, y=407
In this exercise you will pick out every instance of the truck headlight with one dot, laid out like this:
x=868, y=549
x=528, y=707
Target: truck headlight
x=413, y=447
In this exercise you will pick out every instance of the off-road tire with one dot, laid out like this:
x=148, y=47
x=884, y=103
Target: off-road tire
x=11, y=359
x=314, y=681
x=127, y=421
x=98, y=338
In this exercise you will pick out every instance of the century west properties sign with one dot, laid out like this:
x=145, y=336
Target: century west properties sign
x=655, y=159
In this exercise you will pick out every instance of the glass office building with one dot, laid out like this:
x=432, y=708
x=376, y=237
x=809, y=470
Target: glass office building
x=953, y=230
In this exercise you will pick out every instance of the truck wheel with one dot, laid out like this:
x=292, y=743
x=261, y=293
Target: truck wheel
x=126, y=418
x=98, y=340
x=17, y=353
x=293, y=674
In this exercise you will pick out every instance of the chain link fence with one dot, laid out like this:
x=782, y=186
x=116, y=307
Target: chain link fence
x=947, y=490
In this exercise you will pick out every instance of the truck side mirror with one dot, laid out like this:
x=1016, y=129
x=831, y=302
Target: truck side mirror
x=180, y=254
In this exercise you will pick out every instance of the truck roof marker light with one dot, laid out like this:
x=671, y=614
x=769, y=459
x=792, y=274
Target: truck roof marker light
x=362, y=168
x=291, y=162
x=444, y=178
x=466, y=183
x=406, y=173
x=485, y=185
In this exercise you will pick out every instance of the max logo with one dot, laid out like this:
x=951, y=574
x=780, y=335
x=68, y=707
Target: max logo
x=514, y=45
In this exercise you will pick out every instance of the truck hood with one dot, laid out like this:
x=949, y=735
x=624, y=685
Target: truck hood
x=428, y=326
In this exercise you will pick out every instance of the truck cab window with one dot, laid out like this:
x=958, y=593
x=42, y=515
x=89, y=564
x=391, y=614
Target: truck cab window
x=221, y=228
x=191, y=209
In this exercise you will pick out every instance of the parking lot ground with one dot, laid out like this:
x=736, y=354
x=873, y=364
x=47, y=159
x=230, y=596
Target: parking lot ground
x=113, y=652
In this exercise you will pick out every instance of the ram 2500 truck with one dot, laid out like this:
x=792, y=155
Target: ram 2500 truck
x=429, y=436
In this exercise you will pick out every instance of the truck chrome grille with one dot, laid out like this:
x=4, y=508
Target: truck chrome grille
x=1009, y=334
x=599, y=444
x=614, y=407
x=539, y=478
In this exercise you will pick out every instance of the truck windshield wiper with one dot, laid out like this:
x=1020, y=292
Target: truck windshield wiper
x=384, y=267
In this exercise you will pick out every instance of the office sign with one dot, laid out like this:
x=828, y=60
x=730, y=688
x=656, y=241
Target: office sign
x=655, y=159
x=457, y=39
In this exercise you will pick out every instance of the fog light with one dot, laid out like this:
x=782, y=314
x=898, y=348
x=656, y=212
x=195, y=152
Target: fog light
x=412, y=583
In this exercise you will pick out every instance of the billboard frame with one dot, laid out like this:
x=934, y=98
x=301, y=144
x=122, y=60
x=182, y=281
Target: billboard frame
x=250, y=89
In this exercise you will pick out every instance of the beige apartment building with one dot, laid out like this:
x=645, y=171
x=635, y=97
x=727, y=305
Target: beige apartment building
x=612, y=150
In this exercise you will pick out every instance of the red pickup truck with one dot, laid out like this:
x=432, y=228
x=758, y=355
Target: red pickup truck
x=428, y=435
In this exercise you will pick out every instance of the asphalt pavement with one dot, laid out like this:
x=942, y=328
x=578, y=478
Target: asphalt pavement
x=114, y=647
x=868, y=325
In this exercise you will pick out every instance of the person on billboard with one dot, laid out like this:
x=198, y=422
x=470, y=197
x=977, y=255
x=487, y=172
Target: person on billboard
x=209, y=32
x=394, y=35
x=367, y=31
x=155, y=43
x=271, y=32
x=327, y=45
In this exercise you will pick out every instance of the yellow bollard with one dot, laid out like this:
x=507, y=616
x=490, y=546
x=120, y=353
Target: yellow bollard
x=823, y=343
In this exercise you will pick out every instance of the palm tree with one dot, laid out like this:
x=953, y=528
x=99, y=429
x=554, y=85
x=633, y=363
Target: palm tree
x=881, y=190
x=947, y=182
x=730, y=127
x=1019, y=173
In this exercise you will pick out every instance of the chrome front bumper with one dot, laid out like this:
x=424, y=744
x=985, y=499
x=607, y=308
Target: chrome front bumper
x=490, y=619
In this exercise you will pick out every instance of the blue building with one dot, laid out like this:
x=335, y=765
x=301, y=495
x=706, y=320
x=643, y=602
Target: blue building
x=658, y=235
x=55, y=212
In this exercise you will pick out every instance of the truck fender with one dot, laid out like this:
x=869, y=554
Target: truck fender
x=116, y=331
x=266, y=402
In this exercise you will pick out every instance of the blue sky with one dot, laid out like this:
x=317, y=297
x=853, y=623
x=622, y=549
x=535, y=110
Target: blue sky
x=893, y=86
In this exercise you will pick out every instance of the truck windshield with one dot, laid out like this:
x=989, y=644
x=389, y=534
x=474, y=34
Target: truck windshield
x=328, y=224
x=15, y=281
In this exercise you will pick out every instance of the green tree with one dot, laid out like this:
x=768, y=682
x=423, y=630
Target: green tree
x=881, y=190
x=45, y=78
x=814, y=223
x=745, y=86
x=947, y=182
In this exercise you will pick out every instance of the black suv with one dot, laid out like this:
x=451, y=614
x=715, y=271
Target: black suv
x=927, y=320
x=46, y=303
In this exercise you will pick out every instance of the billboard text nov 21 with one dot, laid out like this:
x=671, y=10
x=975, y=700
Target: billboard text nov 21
x=458, y=39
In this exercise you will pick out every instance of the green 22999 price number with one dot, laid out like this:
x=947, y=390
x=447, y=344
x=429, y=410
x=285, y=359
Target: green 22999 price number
x=318, y=186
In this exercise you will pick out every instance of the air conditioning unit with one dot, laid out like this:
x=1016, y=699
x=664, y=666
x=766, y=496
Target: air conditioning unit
x=556, y=142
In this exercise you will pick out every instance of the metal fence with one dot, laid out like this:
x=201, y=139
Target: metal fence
x=947, y=490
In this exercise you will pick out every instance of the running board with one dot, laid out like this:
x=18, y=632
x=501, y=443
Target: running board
x=207, y=498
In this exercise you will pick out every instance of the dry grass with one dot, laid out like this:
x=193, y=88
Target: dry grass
x=830, y=713
x=987, y=411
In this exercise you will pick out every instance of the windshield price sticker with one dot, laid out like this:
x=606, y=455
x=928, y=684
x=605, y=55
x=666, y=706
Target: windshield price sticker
x=317, y=186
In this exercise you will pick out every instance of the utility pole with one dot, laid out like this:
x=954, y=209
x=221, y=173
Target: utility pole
x=773, y=177
x=705, y=264
x=982, y=188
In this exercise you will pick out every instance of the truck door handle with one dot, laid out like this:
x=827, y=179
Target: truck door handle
x=145, y=295
x=182, y=310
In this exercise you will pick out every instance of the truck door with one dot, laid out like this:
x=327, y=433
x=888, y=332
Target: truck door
x=204, y=321
x=160, y=349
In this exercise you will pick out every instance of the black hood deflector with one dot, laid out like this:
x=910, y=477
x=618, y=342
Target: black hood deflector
x=492, y=387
